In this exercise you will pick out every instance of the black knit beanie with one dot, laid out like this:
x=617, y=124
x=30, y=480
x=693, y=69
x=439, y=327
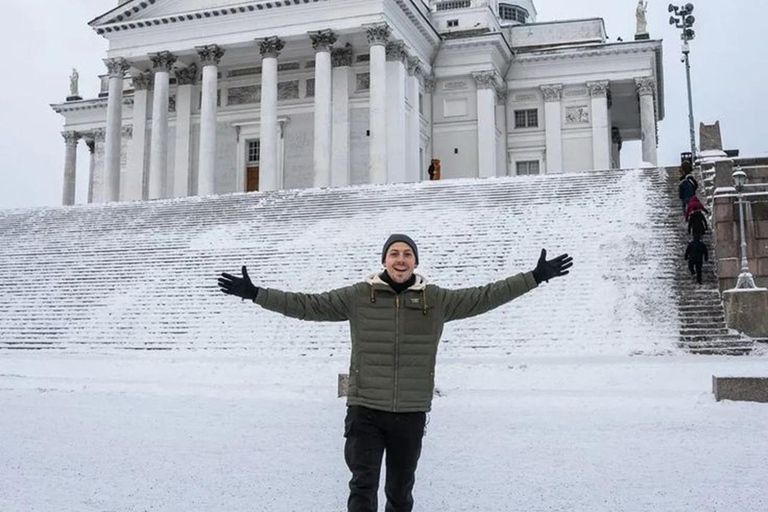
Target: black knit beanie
x=399, y=238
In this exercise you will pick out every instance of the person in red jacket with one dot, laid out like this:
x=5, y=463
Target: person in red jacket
x=694, y=204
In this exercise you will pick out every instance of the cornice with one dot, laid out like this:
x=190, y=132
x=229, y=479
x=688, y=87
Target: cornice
x=122, y=21
x=581, y=52
x=93, y=104
x=479, y=40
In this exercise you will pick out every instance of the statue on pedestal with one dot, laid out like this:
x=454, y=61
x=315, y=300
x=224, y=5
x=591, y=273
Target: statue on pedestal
x=642, y=22
x=74, y=79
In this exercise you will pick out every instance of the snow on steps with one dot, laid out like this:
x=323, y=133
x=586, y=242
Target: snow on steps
x=142, y=275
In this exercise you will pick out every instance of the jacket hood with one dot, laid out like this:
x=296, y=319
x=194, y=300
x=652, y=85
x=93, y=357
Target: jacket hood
x=376, y=281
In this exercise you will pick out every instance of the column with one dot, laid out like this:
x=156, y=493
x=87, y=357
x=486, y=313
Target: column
x=322, y=42
x=378, y=35
x=429, y=89
x=616, y=148
x=413, y=137
x=96, y=182
x=117, y=68
x=397, y=161
x=501, y=120
x=186, y=79
x=270, y=49
x=133, y=188
x=210, y=56
x=158, y=152
x=91, y=143
x=553, y=124
x=70, y=167
x=485, y=82
x=646, y=89
x=601, y=143
x=341, y=60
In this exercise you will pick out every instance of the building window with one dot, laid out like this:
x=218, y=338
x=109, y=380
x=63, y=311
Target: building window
x=509, y=12
x=453, y=23
x=527, y=118
x=528, y=167
x=449, y=5
x=254, y=151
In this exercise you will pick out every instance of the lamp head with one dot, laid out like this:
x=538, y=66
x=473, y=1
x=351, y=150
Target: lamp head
x=739, y=179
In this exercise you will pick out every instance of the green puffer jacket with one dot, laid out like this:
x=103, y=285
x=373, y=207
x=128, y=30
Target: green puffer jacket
x=394, y=337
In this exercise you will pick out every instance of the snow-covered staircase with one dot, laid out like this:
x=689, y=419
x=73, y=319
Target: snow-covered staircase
x=143, y=275
x=702, y=318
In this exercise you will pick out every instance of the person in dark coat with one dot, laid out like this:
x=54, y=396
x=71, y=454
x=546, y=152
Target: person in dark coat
x=696, y=253
x=697, y=224
x=431, y=170
x=687, y=190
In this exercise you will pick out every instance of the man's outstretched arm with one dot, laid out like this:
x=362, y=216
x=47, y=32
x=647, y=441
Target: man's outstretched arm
x=469, y=302
x=332, y=306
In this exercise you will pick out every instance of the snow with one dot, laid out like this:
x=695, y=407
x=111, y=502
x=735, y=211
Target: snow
x=203, y=431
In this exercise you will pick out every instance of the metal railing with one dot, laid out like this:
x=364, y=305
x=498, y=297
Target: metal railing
x=449, y=5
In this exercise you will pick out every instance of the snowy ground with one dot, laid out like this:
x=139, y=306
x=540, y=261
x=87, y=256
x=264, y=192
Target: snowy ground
x=227, y=432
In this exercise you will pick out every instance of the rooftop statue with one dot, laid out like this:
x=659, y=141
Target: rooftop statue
x=73, y=83
x=640, y=14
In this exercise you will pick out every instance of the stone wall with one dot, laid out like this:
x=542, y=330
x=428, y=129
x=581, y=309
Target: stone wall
x=725, y=222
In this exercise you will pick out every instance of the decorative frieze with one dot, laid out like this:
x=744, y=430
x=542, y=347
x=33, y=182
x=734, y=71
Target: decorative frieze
x=162, y=61
x=575, y=93
x=341, y=57
x=271, y=47
x=323, y=40
x=552, y=92
x=396, y=51
x=577, y=115
x=378, y=34
x=117, y=67
x=598, y=89
x=413, y=65
x=210, y=55
x=646, y=86
x=363, y=82
x=289, y=66
x=142, y=81
x=234, y=73
x=244, y=95
x=485, y=79
x=187, y=76
x=455, y=85
x=288, y=90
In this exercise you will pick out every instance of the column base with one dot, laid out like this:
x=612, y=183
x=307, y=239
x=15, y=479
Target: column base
x=642, y=37
x=74, y=98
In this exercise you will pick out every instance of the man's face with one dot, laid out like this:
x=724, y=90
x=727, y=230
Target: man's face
x=400, y=262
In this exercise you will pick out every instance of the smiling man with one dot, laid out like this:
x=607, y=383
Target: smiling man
x=396, y=321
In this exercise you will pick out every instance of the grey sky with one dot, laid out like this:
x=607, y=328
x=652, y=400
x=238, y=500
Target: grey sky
x=45, y=39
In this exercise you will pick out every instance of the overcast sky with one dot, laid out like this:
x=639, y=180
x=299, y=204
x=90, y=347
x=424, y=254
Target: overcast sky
x=45, y=39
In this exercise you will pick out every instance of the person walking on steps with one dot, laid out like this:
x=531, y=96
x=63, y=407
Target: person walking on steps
x=396, y=320
x=688, y=184
x=697, y=224
x=694, y=204
x=696, y=253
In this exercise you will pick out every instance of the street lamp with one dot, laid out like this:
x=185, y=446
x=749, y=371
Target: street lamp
x=745, y=280
x=684, y=20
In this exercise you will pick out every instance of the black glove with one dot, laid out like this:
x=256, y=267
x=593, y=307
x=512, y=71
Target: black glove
x=238, y=286
x=546, y=270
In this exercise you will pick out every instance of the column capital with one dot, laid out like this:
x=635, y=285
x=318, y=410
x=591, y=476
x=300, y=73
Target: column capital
x=142, y=81
x=162, y=61
x=429, y=83
x=378, y=34
x=646, y=86
x=127, y=131
x=210, y=55
x=553, y=92
x=501, y=95
x=99, y=134
x=91, y=143
x=413, y=65
x=485, y=79
x=71, y=137
x=396, y=51
x=117, y=67
x=598, y=89
x=271, y=47
x=322, y=40
x=342, y=56
x=187, y=75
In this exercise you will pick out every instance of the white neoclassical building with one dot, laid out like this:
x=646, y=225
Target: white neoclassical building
x=219, y=96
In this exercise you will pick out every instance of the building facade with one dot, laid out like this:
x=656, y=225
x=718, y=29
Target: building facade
x=219, y=96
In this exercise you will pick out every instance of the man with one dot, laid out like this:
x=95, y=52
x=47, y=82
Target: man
x=396, y=321
x=696, y=253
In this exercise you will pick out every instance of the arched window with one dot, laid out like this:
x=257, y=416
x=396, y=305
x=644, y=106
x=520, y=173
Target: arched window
x=509, y=12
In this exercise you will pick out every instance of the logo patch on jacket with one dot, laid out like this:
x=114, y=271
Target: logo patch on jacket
x=415, y=300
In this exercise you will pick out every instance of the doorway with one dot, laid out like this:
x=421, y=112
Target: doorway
x=252, y=166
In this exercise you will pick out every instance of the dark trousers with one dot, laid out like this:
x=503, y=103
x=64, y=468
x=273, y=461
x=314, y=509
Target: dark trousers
x=695, y=268
x=369, y=434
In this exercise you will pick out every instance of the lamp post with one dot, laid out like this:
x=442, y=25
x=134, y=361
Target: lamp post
x=745, y=280
x=684, y=20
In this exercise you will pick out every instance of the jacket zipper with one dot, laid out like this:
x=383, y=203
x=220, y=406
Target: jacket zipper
x=397, y=349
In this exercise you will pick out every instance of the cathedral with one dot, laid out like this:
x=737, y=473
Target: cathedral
x=208, y=97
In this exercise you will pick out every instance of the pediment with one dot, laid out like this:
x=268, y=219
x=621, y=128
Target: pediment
x=138, y=10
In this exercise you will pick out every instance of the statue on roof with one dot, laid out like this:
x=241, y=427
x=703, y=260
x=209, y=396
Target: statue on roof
x=73, y=83
x=640, y=14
